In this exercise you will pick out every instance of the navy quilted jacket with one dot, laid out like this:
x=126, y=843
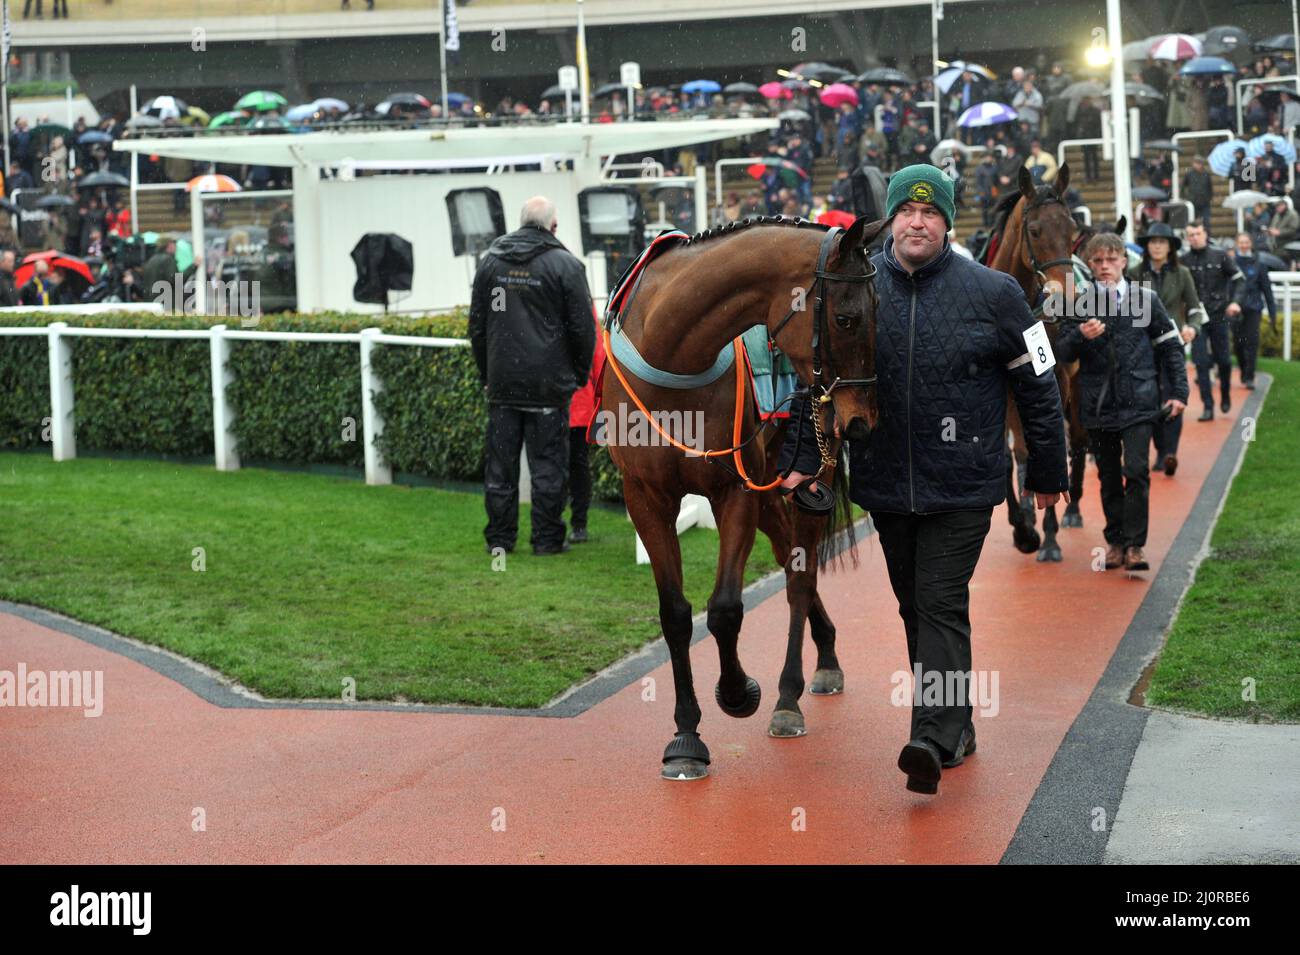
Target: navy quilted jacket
x=944, y=337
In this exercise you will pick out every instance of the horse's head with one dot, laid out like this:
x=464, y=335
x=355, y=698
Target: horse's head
x=832, y=343
x=1046, y=232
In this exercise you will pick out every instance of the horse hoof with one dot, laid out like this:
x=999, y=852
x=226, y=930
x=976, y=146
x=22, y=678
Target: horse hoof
x=1027, y=541
x=684, y=769
x=827, y=683
x=786, y=724
x=1072, y=520
x=747, y=707
x=1052, y=554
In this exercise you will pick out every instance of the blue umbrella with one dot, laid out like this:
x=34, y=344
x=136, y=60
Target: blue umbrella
x=986, y=114
x=1280, y=146
x=1221, y=156
x=329, y=102
x=299, y=113
x=94, y=136
x=1208, y=66
x=456, y=100
x=701, y=86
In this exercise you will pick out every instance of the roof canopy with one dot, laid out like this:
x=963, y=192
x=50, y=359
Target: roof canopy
x=329, y=147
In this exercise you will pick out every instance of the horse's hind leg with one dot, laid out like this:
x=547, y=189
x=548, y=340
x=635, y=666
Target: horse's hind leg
x=654, y=514
x=800, y=562
x=828, y=678
x=736, y=512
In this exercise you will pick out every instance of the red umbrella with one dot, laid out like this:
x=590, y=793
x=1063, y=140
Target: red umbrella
x=775, y=90
x=836, y=217
x=56, y=260
x=838, y=93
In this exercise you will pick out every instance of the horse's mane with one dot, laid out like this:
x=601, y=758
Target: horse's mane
x=748, y=223
x=1007, y=202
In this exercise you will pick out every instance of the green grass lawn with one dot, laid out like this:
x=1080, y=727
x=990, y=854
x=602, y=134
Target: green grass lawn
x=1241, y=619
x=310, y=579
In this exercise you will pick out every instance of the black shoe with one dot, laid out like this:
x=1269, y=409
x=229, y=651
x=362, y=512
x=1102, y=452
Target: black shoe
x=965, y=747
x=1248, y=385
x=508, y=548
x=1171, y=465
x=923, y=763
x=1207, y=414
x=1160, y=463
x=548, y=551
x=578, y=535
x=1225, y=405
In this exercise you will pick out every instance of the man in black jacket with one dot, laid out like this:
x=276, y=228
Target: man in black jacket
x=1253, y=293
x=951, y=336
x=8, y=291
x=532, y=335
x=1217, y=280
x=1120, y=399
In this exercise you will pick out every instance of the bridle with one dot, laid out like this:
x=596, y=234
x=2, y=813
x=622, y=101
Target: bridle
x=1036, y=299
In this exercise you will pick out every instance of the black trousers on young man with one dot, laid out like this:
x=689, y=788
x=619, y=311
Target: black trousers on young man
x=545, y=433
x=930, y=558
x=1123, y=459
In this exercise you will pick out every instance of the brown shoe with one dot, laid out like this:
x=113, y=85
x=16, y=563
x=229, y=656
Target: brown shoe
x=1171, y=465
x=1134, y=559
x=1114, y=556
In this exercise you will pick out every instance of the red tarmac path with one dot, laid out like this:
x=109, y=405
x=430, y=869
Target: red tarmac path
x=339, y=786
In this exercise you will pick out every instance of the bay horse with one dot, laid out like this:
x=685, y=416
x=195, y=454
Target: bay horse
x=686, y=307
x=1036, y=247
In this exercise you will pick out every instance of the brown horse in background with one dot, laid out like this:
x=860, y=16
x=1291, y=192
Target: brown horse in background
x=1036, y=249
x=812, y=288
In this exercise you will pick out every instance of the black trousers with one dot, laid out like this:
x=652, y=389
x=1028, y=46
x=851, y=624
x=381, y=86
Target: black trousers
x=1124, y=469
x=545, y=433
x=1091, y=162
x=1212, y=346
x=1165, y=434
x=1246, y=343
x=931, y=558
x=579, y=490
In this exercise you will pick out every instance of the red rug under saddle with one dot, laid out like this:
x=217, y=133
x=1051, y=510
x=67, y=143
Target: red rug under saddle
x=660, y=244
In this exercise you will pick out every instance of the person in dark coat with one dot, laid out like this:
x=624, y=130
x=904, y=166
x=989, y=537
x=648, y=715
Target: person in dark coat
x=532, y=334
x=952, y=337
x=1254, y=292
x=161, y=266
x=1216, y=278
x=1119, y=395
x=1198, y=188
x=8, y=291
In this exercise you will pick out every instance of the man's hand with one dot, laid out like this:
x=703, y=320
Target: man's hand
x=1234, y=309
x=1189, y=332
x=1175, y=407
x=1092, y=328
x=795, y=479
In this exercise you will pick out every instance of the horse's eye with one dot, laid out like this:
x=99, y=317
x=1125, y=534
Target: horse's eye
x=844, y=321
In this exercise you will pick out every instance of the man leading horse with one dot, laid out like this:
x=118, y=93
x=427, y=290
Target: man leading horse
x=951, y=337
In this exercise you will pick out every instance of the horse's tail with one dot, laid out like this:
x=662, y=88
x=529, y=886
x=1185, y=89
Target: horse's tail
x=839, y=538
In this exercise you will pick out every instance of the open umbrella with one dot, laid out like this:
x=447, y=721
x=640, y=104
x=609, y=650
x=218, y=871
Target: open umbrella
x=1271, y=261
x=1136, y=51
x=1142, y=91
x=1175, y=46
x=1082, y=89
x=1223, y=156
x=740, y=89
x=457, y=100
x=1278, y=43
x=195, y=117
x=1143, y=193
x=50, y=130
x=553, y=92
x=819, y=71
x=68, y=264
x=1281, y=146
x=165, y=107
x=1244, y=199
x=793, y=116
x=301, y=112
x=212, y=182
x=796, y=83
x=608, y=89
x=331, y=103
x=1207, y=66
x=1227, y=41
x=261, y=101
x=92, y=136
x=887, y=75
x=946, y=148
x=838, y=93
x=143, y=122
x=230, y=118
x=986, y=114
x=702, y=86
x=775, y=90
x=271, y=124
x=950, y=74
x=102, y=180
x=55, y=201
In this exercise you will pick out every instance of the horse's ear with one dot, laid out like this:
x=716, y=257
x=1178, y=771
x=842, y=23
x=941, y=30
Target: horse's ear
x=862, y=233
x=1063, y=179
x=1121, y=224
x=1026, y=183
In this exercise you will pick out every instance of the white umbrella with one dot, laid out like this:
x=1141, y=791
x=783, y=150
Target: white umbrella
x=946, y=148
x=1175, y=46
x=1245, y=199
x=986, y=114
x=165, y=107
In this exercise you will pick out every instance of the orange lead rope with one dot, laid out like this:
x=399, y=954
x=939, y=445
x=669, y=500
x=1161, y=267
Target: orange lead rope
x=742, y=367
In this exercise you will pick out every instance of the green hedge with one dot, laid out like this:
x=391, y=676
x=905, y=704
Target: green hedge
x=291, y=400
